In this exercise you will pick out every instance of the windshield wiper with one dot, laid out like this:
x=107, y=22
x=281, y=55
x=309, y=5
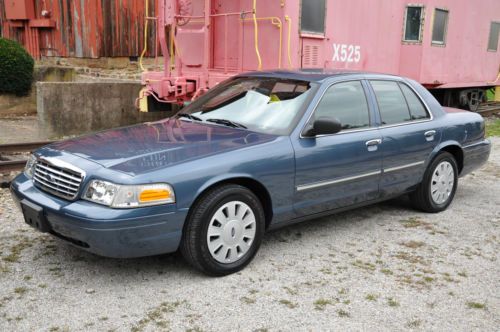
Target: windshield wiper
x=188, y=116
x=228, y=123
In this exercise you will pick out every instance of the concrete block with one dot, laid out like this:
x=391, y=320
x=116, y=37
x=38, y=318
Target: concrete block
x=74, y=108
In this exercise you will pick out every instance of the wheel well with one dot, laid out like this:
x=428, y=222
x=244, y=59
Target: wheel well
x=254, y=186
x=458, y=154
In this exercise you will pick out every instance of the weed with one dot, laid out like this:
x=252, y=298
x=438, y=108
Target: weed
x=392, y=302
x=412, y=244
x=371, y=297
x=289, y=304
x=320, y=304
x=20, y=290
x=291, y=291
x=493, y=128
x=414, y=323
x=247, y=300
x=476, y=305
x=363, y=265
x=343, y=313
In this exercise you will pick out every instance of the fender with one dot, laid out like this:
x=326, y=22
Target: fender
x=440, y=147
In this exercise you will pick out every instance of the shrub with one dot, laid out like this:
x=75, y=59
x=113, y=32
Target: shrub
x=16, y=68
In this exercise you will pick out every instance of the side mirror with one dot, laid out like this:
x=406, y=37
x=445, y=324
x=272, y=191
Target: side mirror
x=323, y=126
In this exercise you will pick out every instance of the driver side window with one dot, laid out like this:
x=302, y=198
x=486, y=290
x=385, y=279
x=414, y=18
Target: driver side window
x=347, y=103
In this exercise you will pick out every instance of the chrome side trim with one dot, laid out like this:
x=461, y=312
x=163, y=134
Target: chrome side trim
x=341, y=180
x=397, y=168
x=481, y=142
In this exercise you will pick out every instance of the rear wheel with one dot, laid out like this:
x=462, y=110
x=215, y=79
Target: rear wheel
x=224, y=230
x=439, y=184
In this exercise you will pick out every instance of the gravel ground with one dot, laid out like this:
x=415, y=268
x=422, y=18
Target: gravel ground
x=385, y=267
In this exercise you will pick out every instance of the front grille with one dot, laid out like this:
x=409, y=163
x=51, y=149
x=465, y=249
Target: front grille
x=57, y=180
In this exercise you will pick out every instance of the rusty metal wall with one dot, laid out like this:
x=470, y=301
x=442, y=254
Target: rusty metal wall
x=90, y=28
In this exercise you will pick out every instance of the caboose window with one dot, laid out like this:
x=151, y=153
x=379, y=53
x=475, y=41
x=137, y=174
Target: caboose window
x=413, y=24
x=312, y=16
x=440, y=26
x=494, y=33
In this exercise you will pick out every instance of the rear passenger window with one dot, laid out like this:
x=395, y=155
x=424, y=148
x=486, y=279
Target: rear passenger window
x=391, y=102
x=347, y=103
x=417, y=109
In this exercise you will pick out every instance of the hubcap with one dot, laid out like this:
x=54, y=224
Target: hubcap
x=231, y=232
x=442, y=182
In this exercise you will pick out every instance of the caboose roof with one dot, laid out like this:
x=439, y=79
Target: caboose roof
x=311, y=75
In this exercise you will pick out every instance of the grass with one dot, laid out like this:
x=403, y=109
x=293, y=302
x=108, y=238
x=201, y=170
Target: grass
x=20, y=290
x=493, y=128
x=247, y=300
x=413, y=244
x=343, y=313
x=363, y=265
x=157, y=316
x=320, y=304
x=371, y=297
x=476, y=305
x=414, y=323
x=392, y=302
x=289, y=304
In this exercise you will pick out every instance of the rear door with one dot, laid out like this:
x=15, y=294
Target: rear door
x=334, y=171
x=408, y=135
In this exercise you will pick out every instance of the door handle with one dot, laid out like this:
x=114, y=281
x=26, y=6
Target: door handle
x=372, y=145
x=429, y=135
x=374, y=142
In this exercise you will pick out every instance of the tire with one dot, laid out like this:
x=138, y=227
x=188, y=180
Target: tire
x=215, y=212
x=435, y=196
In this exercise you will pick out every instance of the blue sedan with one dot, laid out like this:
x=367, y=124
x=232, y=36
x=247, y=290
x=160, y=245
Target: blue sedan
x=259, y=151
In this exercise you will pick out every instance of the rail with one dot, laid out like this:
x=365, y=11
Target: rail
x=12, y=166
x=7, y=166
x=22, y=147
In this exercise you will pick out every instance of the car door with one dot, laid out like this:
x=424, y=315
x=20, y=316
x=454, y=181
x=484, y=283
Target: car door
x=408, y=135
x=338, y=170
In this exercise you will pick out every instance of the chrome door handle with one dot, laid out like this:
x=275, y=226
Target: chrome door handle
x=430, y=133
x=372, y=145
x=373, y=142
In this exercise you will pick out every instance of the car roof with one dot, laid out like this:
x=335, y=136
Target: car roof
x=310, y=75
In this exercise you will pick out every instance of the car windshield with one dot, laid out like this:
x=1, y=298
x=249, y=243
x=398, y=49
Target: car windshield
x=266, y=105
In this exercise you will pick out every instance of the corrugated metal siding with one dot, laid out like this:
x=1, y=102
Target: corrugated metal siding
x=91, y=28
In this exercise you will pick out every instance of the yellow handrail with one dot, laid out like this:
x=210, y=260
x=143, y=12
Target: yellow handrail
x=144, y=50
x=256, y=35
x=276, y=21
x=289, y=20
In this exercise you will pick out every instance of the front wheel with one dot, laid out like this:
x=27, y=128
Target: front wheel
x=224, y=230
x=439, y=184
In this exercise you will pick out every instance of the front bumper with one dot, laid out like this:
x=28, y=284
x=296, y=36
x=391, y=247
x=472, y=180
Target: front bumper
x=475, y=155
x=119, y=233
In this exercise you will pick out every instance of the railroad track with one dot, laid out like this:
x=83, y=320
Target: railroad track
x=489, y=108
x=9, y=165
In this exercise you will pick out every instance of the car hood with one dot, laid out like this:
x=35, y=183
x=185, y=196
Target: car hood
x=149, y=146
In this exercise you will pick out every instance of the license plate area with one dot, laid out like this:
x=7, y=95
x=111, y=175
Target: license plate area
x=34, y=216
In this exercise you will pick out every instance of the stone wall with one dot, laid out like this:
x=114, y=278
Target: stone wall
x=73, y=108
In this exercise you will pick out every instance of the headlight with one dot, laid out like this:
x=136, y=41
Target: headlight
x=30, y=166
x=126, y=196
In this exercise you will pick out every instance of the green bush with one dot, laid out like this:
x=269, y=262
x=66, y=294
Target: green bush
x=16, y=68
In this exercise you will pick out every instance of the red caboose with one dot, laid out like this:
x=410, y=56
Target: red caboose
x=450, y=46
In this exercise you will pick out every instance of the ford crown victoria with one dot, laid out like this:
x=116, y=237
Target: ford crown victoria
x=259, y=151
